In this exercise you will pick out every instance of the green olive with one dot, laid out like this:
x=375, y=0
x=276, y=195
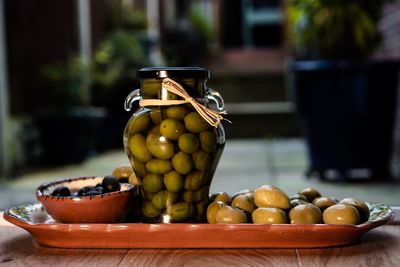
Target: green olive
x=138, y=148
x=176, y=112
x=159, y=146
x=201, y=208
x=181, y=211
x=182, y=162
x=230, y=215
x=173, y=181
x=122, y=172
x=163, y=199
x=195, y=196
x=324, y=202
x=188, y=143
x=213, y=209
x=158, y=166
x=152, y=183
x=155, y=116
x=270, y=196
x=310, y=193
x=159, y=200
x=139, y=168
x=149, y=210
x=298, y=196
x=221, y=196
x=195, y=180
x=360, y=205
x=208, y=141
x=195, y=123
x=151, y=88
x=297, y=201
x=154, y=130
x=268, y=216
x=243, y=202
x=341, y=214
x=171, y=129
x=305, y=214
x=248, y=192
x=139, y=123
x=202, y=160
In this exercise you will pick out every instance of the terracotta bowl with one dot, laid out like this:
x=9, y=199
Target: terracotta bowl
x=104, y=208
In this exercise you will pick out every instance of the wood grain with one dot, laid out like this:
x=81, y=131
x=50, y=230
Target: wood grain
x=379, y=247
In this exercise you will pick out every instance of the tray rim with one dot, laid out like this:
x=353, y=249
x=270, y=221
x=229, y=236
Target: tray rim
x=354, y=232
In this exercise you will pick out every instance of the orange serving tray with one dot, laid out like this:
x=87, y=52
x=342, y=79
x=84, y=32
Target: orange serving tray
x=36, y=221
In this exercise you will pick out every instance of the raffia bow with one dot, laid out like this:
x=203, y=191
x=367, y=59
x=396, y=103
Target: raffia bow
x=213, y=117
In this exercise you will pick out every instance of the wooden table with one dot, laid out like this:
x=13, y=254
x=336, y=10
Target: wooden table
x=379, y=247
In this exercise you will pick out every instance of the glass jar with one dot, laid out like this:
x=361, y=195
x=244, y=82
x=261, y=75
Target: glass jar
x=173, y=150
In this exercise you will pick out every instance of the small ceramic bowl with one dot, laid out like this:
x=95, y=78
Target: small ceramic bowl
x=104, y=208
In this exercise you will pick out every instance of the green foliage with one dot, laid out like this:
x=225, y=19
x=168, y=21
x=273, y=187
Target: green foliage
x=334, y=29
x=64, y=85
x=117, y=58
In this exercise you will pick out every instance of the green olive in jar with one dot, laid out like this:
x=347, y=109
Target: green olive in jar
x=270, y=196
x=181, y=211
x=172, y=129
x=207, y=141
x=163, y=198
x=152, y=183
x=194, y=196
x=213, y=209
x=230, y=215
x=195, y=180
x=188, y=143
x=174, y=181
x=305, y=214
x=140, y=168
x=138, y=148
x=341, y=214
x=176, y=112
x=149, y=210
x=243, y=202
x=158, y=166
x=159, y=146
x=139, y=123
x=310, y=193
x=268, y=216
x=360, y=205
x=155, y=116
x=195, y=123
x=324, y=202
x=182, y=162
x=202, y=160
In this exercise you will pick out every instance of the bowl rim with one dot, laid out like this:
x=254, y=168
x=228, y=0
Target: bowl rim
x=40, y=194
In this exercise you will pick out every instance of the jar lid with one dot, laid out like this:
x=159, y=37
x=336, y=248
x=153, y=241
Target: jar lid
x=173, y=72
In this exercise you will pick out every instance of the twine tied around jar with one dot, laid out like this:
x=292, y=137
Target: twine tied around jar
x=212, y=117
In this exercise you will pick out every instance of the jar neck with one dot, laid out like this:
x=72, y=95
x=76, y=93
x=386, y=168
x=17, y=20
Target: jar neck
x=151, y=88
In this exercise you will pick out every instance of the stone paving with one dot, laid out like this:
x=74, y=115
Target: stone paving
x=245, y=163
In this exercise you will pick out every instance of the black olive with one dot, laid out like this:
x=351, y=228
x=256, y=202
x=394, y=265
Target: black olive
x=110, y=184
x=93, y=193
x=100, y=190
x=123, y=180
x=99, y=185
x=61, y=191
x=83, y=191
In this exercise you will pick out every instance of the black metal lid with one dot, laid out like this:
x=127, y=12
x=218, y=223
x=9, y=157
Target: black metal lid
x=173, y=72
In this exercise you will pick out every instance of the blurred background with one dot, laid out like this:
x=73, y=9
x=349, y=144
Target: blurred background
x=311, y=88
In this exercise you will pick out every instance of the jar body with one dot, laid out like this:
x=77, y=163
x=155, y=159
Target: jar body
x=174, y=153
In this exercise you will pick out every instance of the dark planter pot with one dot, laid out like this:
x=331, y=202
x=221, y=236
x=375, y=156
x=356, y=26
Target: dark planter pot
x=347, y=112
x=69, y=137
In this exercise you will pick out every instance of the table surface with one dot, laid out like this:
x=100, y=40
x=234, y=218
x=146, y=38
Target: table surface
x=379, y=247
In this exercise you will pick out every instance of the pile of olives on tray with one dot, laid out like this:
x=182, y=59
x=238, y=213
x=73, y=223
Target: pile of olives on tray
x=270, y=205
x=109, y=184
x=172, y=151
